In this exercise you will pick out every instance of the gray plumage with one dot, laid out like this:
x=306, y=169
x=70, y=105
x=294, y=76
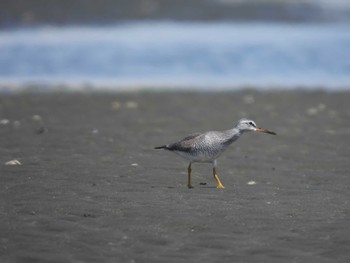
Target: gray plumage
x=203, y=147
x=208, y=146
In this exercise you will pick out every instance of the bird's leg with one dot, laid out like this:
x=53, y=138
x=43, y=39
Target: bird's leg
x=189, y=170
x=217, y=177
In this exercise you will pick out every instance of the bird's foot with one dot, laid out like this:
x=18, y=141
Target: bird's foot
x=220, y=186
x=190, y=186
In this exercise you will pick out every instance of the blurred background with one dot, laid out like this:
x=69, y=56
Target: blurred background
x=166, y=44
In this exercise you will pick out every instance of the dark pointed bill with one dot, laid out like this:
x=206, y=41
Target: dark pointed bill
x=265, y=131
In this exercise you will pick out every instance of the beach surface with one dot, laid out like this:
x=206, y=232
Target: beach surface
x=62, y=12
x=89, y=187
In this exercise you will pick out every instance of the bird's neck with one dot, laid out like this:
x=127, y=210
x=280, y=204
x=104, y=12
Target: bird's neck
x=232, y=135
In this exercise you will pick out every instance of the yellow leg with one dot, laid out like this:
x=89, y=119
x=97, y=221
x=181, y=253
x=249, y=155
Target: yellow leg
x=217, y=179
x=189, y=170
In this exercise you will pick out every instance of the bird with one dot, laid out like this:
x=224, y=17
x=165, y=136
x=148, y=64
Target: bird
x=206, y=147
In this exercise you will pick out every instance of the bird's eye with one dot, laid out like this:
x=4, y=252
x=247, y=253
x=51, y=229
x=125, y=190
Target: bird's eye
x=252, y=124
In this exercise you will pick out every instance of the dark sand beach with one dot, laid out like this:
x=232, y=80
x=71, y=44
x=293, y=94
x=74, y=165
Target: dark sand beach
x=63, y=12
x=91, y=188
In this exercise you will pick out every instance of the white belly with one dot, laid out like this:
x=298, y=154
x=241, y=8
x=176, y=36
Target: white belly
x=203, y=157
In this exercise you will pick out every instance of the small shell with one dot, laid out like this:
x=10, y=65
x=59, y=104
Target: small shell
x=13, y=162
x=251, y=183
x=4, y=121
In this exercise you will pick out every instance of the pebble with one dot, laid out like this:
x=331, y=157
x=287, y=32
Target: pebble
x=134, y=164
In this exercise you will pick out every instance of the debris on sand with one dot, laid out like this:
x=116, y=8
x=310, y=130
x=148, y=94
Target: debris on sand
x=13, y=162
x=315, y=110
x=4, y=122
x=37, y=117
x=251, y=183
x=131, y=105
x=41, y=130
x=116, y=105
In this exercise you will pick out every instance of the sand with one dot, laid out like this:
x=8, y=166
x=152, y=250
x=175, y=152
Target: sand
x=63, y=12
x=91, y=188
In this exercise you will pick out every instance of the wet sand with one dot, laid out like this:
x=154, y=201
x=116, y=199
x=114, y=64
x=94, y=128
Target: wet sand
x=91, y=188
x=63, y=12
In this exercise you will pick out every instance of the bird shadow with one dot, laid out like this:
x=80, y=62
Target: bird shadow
x=206, y=186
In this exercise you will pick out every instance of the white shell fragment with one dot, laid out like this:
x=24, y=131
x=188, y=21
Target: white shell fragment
x=4, y=121
x=251, y=183
x=134, y=164
x=13, y=162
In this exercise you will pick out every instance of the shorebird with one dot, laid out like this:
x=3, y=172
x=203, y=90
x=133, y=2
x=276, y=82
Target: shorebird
x=206, y=147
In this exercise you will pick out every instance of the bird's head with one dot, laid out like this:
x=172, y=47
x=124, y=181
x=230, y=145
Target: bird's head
x=245, y=125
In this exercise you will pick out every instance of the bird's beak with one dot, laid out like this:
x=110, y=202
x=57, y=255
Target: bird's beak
x=265, y=131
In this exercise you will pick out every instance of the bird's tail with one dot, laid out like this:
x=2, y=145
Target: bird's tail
x=161, y=147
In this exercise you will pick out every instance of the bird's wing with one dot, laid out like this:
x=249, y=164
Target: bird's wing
x=192, y=136
x=186, y=144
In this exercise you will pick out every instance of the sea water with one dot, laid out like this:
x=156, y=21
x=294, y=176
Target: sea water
x=164, y=54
